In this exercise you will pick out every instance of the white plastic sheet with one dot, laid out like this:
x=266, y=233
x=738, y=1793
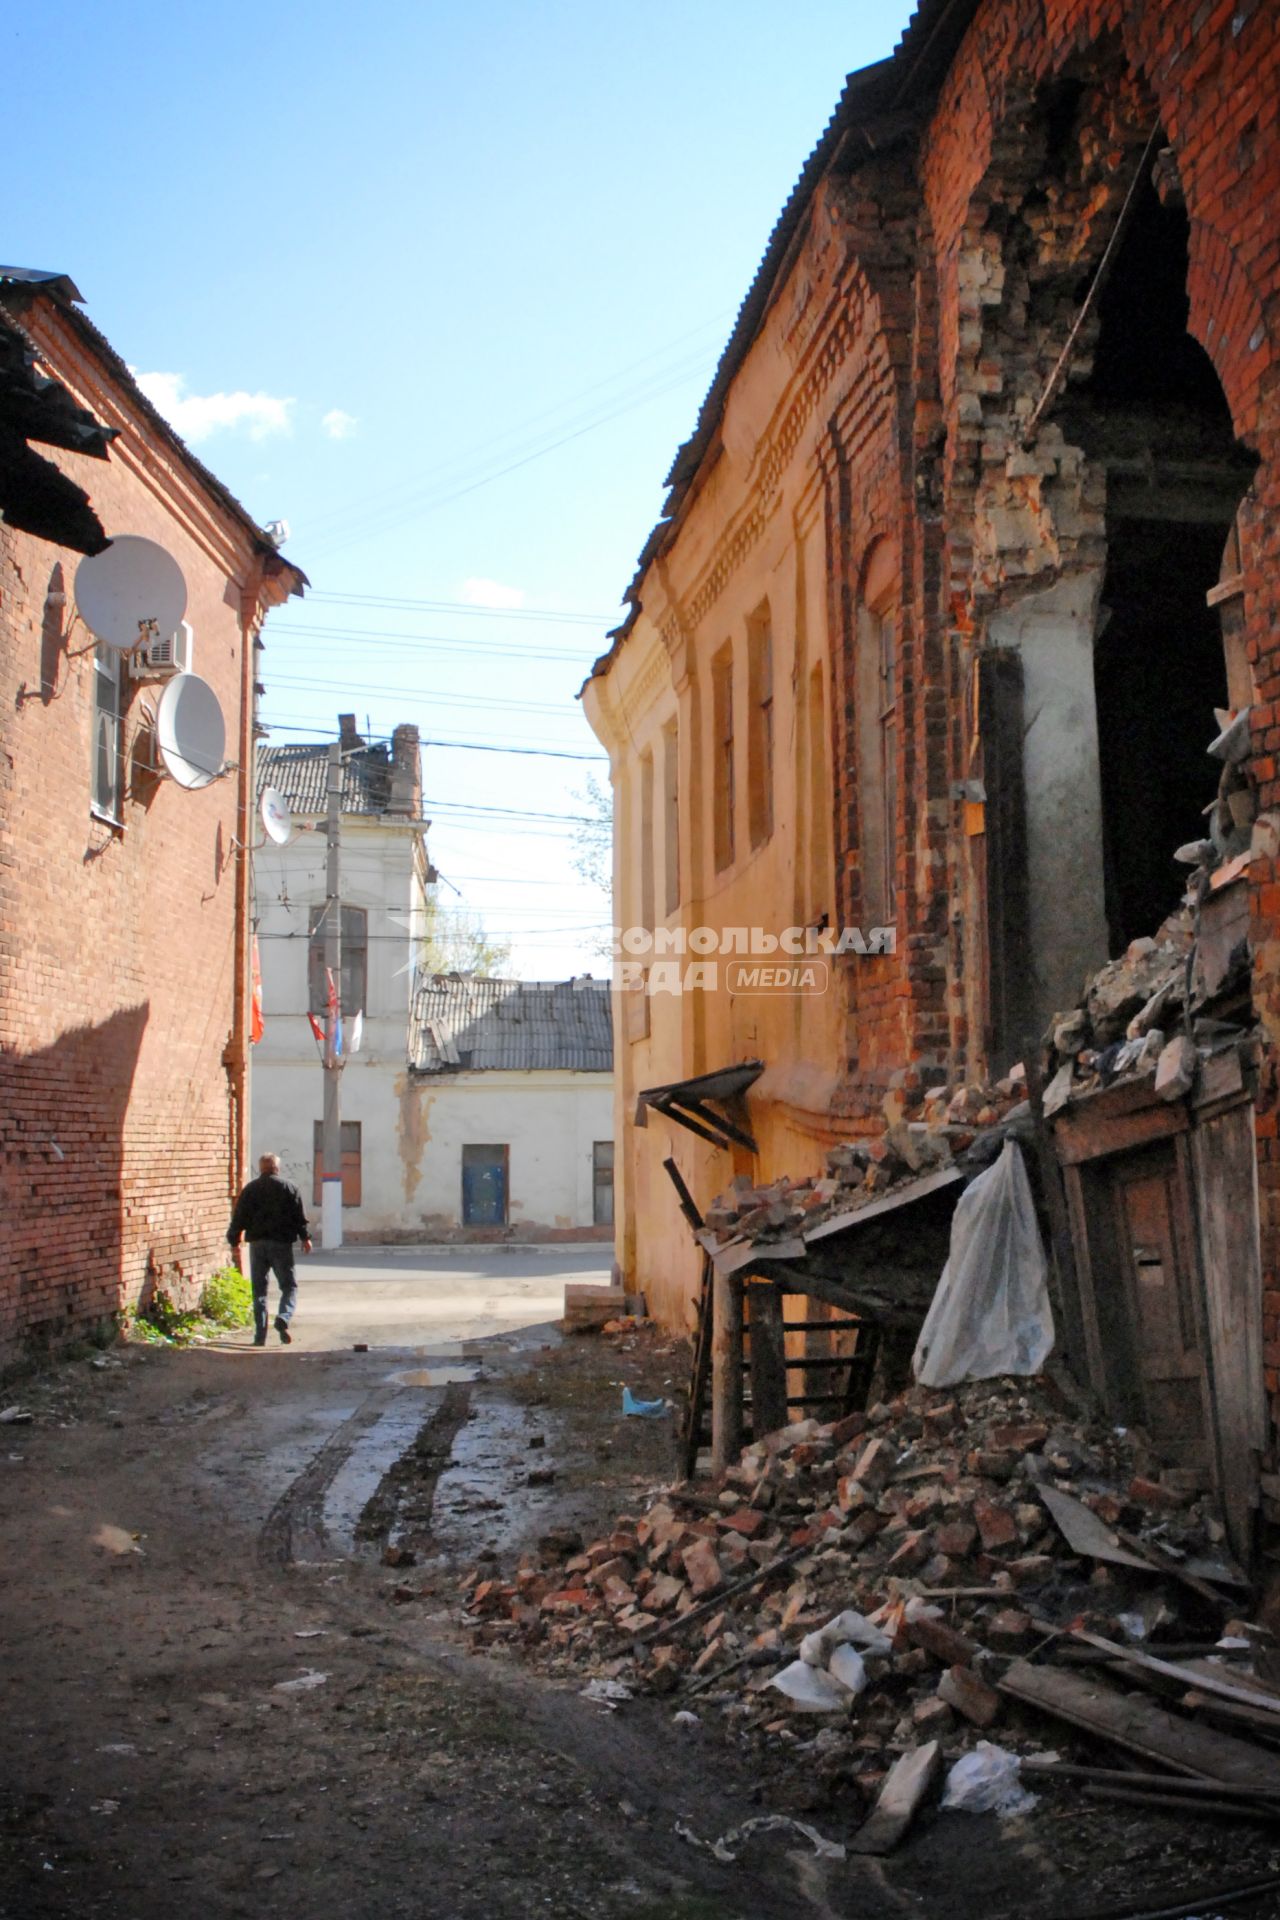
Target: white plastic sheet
x=986, y=1781
x=811, y=1689
x=991, y=1313
x=849, y=1628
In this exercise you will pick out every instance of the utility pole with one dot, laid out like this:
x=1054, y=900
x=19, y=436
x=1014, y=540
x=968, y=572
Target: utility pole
x=331, y=1132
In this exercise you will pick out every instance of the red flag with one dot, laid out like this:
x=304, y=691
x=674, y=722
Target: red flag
x=317, y=1029
x=256, y=1026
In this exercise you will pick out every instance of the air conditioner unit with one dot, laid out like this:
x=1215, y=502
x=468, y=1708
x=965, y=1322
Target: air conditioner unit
x=172, y=653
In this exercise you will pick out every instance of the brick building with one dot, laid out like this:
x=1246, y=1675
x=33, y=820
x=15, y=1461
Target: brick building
x=976, y=529
x=124, y=977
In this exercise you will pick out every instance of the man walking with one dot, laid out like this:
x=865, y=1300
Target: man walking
x=270, y=1215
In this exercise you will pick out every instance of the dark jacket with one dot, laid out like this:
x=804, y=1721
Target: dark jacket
x=269, y=1208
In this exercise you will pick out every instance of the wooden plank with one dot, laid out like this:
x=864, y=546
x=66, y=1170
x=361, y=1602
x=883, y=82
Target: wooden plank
x=1127, y=1721
x=1161, y=1562
x=904, y=1194
x=701, y=1370
x=726, y=1370
x=1207, y=1683
x=907, y=1784
x=1177, y=1786
x=768, y=1359
x=1078, y=1221
x=1217, y=1809
x=1226, y=1185
x=1080, y=1134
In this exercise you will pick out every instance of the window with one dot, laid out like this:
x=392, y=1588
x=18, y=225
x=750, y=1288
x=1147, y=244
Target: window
x=354, y=957
x=106, y=777
x=485, y=1171
x=602, y=1183
x=888, y=758
x=820, y=805
x=760, y=737
x=877, y=733
x=722, y=757
x=648, y=827
x=671, y=818
x=350, y=1162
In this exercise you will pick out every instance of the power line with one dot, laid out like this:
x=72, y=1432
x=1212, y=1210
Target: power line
x=388, y=521
x=513, y=435
x=434, y=694
x=450, y=746
x=380, y=637
x=402, y=603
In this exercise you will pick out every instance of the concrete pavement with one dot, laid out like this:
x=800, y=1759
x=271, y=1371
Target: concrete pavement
x=428, y=1299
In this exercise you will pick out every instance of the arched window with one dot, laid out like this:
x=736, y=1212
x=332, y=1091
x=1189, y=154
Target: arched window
x=877, y=732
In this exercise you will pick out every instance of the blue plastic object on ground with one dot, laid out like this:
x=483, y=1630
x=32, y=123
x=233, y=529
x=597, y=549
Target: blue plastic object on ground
x=648, y=1409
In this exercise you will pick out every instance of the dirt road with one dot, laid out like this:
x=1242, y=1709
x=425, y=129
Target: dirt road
x=218, y=1699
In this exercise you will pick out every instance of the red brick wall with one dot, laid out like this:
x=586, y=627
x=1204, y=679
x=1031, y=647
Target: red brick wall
x=117, y=946
x=1211, y=75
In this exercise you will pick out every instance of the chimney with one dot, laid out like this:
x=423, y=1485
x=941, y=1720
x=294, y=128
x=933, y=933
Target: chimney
x=406, y=773
x=350, y=739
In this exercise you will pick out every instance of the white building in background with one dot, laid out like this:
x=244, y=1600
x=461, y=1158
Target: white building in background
x=507, y=1115
x=384, y=876
x=471, y=1108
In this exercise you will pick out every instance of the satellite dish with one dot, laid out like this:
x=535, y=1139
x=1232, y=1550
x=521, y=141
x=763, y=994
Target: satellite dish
x=190, y=731
x=276, y=817
x=134, y=591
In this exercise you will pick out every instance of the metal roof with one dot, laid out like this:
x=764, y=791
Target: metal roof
x=300, y=774
x=461, y=1022
x=858, y=128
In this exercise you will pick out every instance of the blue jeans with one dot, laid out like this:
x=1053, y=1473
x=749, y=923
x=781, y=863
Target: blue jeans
x=265, y=1258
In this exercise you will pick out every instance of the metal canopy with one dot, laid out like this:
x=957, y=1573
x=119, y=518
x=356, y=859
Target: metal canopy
x=685, y=1102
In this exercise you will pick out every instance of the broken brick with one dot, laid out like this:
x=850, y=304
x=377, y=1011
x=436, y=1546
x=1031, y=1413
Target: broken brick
x=962, y=1689
x=875, y=1466
x=996, y=1525
x=703, y=1568
x=956, y=1537
x=946, y=1644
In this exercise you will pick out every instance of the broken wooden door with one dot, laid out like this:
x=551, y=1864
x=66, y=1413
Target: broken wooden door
x=1154, y=1242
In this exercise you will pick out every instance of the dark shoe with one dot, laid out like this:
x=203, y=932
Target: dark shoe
x=259, y=1339
x=283, y=1331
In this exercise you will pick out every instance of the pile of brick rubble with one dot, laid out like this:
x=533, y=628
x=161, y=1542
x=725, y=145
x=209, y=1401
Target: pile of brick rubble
x=919, y=1520
x=963, y=1125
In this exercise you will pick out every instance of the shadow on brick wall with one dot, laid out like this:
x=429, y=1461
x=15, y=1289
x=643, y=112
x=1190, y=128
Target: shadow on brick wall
x=62, y=1121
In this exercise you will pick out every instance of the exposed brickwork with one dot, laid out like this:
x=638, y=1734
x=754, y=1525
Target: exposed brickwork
x=931, y=287
x=118, y=944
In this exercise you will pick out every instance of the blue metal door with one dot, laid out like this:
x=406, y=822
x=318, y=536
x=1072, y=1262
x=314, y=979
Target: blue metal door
x=484, y=1186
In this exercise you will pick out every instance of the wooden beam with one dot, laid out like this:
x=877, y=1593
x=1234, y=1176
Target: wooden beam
x=1127, y=1721
x=906, y=1786
x=726, y=1370
x=768, y=1359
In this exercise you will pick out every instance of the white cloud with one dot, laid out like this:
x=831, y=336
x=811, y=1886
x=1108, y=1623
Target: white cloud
x=197, y=416
x=339, y=425
x=490, y=593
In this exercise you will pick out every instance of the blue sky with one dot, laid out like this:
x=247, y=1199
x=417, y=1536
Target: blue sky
x=442, y=287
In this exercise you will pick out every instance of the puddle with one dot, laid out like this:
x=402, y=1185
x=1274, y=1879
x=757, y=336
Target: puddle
x=482, y=1499
x=363, y=1470
x=434, y=1376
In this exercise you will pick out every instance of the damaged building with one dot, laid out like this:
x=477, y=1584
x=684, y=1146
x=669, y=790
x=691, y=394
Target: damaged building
x=950, y=669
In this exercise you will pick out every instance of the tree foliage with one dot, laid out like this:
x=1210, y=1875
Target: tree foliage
x=455, y=941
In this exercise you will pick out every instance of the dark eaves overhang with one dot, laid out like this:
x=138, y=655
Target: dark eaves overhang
x=35, y=495
x=685, y=1101
x=877, y=103
x=20, y=288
